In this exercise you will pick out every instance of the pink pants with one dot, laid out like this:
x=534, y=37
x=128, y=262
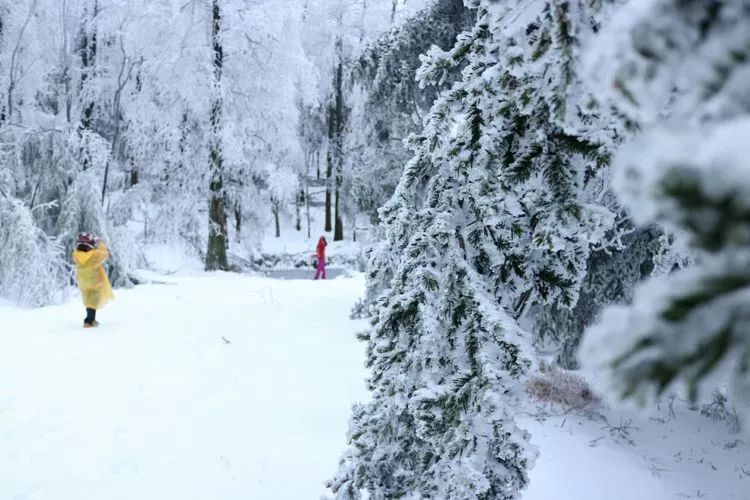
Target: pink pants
x=321, y=269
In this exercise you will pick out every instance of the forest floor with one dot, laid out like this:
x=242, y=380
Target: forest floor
x=208, y=386
x=238, y=387
x=670, y=452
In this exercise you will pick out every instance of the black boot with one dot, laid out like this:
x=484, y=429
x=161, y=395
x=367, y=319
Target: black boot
x=90, y=320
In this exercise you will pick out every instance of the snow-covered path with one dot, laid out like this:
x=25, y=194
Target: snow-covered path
x=155, y=404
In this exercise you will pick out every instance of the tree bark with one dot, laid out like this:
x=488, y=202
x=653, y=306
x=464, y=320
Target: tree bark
x=238, y=221
x=307, y=207
x=216, y=255
x=299, y=200
x=329, y=166
x=3, y=112
x=88, y=57
x=133, y=173
x=338, y=233
x=87, y=50
x=362, y=18
x=276, y=210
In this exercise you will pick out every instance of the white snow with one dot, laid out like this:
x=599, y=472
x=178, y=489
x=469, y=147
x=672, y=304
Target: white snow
x=615, y=455
x=155, y=405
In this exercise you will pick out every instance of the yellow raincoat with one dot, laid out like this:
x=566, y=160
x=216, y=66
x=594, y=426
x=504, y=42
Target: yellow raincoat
x=92, y=280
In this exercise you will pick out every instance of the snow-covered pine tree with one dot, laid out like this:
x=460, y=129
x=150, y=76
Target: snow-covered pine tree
x=549, y=145
x=497, y=210
x=690, y=173
x=387, y=103
x=391, y=106
x=611, y=278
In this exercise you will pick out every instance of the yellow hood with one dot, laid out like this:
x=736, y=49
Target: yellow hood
x=82, y=258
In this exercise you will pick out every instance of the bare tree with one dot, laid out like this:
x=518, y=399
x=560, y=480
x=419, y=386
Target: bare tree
x=16, y=70
x=123, y=77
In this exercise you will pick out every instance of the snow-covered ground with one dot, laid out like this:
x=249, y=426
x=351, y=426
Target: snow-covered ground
x=670, y=453
x=236, y=387
x=211, y=386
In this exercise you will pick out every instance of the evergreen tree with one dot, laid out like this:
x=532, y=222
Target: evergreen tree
x=497, y=210
x=611, y=278
x=680, y=69
x=387, y=104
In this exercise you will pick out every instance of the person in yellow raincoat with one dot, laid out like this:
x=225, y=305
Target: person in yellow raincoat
x=96, y=291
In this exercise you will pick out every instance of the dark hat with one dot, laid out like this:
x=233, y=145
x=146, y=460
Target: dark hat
x=86, y=239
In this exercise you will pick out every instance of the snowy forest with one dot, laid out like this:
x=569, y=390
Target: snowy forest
x=532, y=204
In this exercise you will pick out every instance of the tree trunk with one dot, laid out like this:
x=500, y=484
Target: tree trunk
x=87, y=50
x=88, y=58
x=307, y=207
x=329, y=166
x=237, y=222
x=306, y=190
x=299, y=200
x=3, y=112
x=276, y=211
x=66, y=64
x=216, y=255
x=362, y=18
x=338, y=233
x=113, y=149
x=133, y=173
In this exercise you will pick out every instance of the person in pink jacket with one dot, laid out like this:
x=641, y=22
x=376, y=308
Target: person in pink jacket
x=321, y=253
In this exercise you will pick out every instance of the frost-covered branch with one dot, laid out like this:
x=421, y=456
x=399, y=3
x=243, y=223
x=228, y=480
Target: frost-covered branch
x=15, y=72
